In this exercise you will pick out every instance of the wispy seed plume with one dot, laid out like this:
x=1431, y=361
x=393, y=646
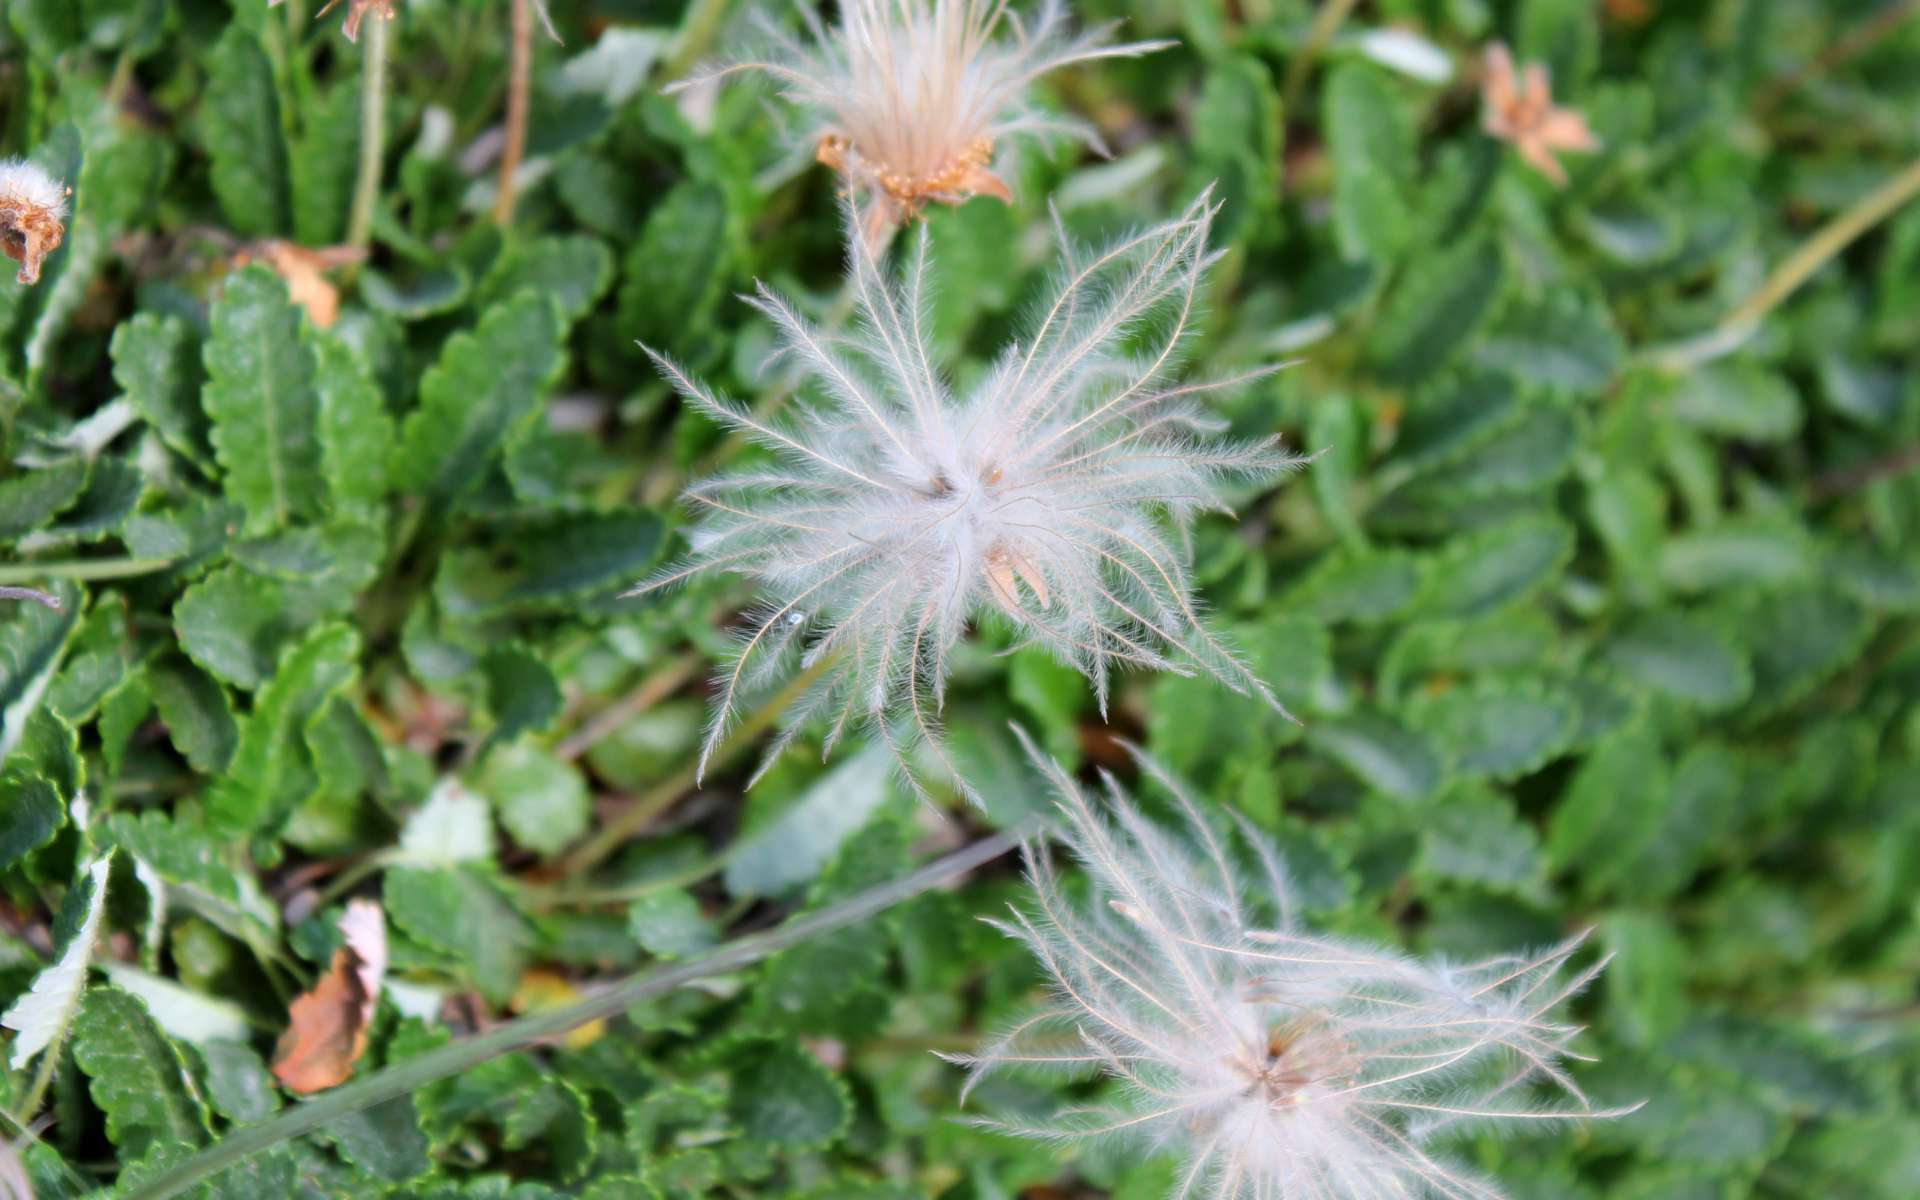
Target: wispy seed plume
x=1280, y=1065
x=1054, y=494
x=909, y=99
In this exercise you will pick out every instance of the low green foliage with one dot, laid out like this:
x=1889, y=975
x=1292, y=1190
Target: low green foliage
x=1590, y=615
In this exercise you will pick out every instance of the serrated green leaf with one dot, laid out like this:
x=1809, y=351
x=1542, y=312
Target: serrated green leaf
x=1737, y=400
x=1445, y=422
x=1478, y=838
x=1628, y=509
x=156, y=362
x=783, y=1096
x=1382, y=752
x=1704, y=805
x=1646, y=998
x=1361, y=586
x=1681, y=657
x=1434, y=311
x=139, y=1079
x=793, y=847
x=542, y=801
x=1528, y=455
x=193, y=864
x=1482, y=571
x=240, y=126
x=1373, y=161
x=1610, y=810
x=427, y=293
x=35, y=812
x=521, y=691
x=271, y=771
x=32, y=640
x=30, y=499
x=260, y=397
x=1736, y=555
x=670, y=924
x=455, y=910
x=237, y=1083
x=237, y=623
x=356, y=433
x=325, y=156
x=385, y=1140
x=197, y=714
x=486, y=384
x=1563, y=342
x=1497, y=728
x=42, y=1013
x=95, y=663
x=1798, y=638
x=551, y=564
x=572, y=271
x=673, y=276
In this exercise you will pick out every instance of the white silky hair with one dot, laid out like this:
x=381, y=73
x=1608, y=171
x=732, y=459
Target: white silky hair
x=1280, y=1064
x=1056, y=493
x=912, y=85
x=22, y=180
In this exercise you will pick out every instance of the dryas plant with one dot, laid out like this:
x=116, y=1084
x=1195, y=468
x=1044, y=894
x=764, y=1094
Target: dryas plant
x=908, y=99
x=1281, y=1064
x=1054, y=494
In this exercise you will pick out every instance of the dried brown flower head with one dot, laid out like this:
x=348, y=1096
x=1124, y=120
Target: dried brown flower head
x=909, y=99
x=357, y=11
x=1522, y=111
x=33, y=216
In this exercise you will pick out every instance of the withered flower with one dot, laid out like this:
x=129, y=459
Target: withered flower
x=909, y=99
x=33, y=216
x=1523, y=112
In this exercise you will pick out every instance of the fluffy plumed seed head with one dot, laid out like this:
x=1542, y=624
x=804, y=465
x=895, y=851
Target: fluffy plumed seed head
x=33, y=216
x=1282, y=1065
x=1054, y=494
x=909, y=99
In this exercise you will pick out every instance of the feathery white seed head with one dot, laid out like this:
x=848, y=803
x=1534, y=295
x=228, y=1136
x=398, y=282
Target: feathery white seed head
x=1280, y=1064
x=33, y=215
x=907, y=99
x=1056, y=492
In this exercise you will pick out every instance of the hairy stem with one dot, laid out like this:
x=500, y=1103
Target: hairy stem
x=409, y=1076
x=373, y=134
x=519, y=96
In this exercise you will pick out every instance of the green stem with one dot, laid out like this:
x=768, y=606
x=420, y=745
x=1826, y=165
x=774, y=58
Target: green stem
x=1829, y=240
x=373, y=134
x=409, y=1076
x=1326, y=23
x=83, y=568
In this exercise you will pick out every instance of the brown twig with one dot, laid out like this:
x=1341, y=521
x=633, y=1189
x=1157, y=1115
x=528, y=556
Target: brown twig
x=656, y=687
x=34, y=594
x=1851, y=479
x=519, y=96
x=1850, y=46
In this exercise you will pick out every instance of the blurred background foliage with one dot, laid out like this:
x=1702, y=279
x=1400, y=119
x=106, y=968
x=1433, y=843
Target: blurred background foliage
x=1591, y=617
